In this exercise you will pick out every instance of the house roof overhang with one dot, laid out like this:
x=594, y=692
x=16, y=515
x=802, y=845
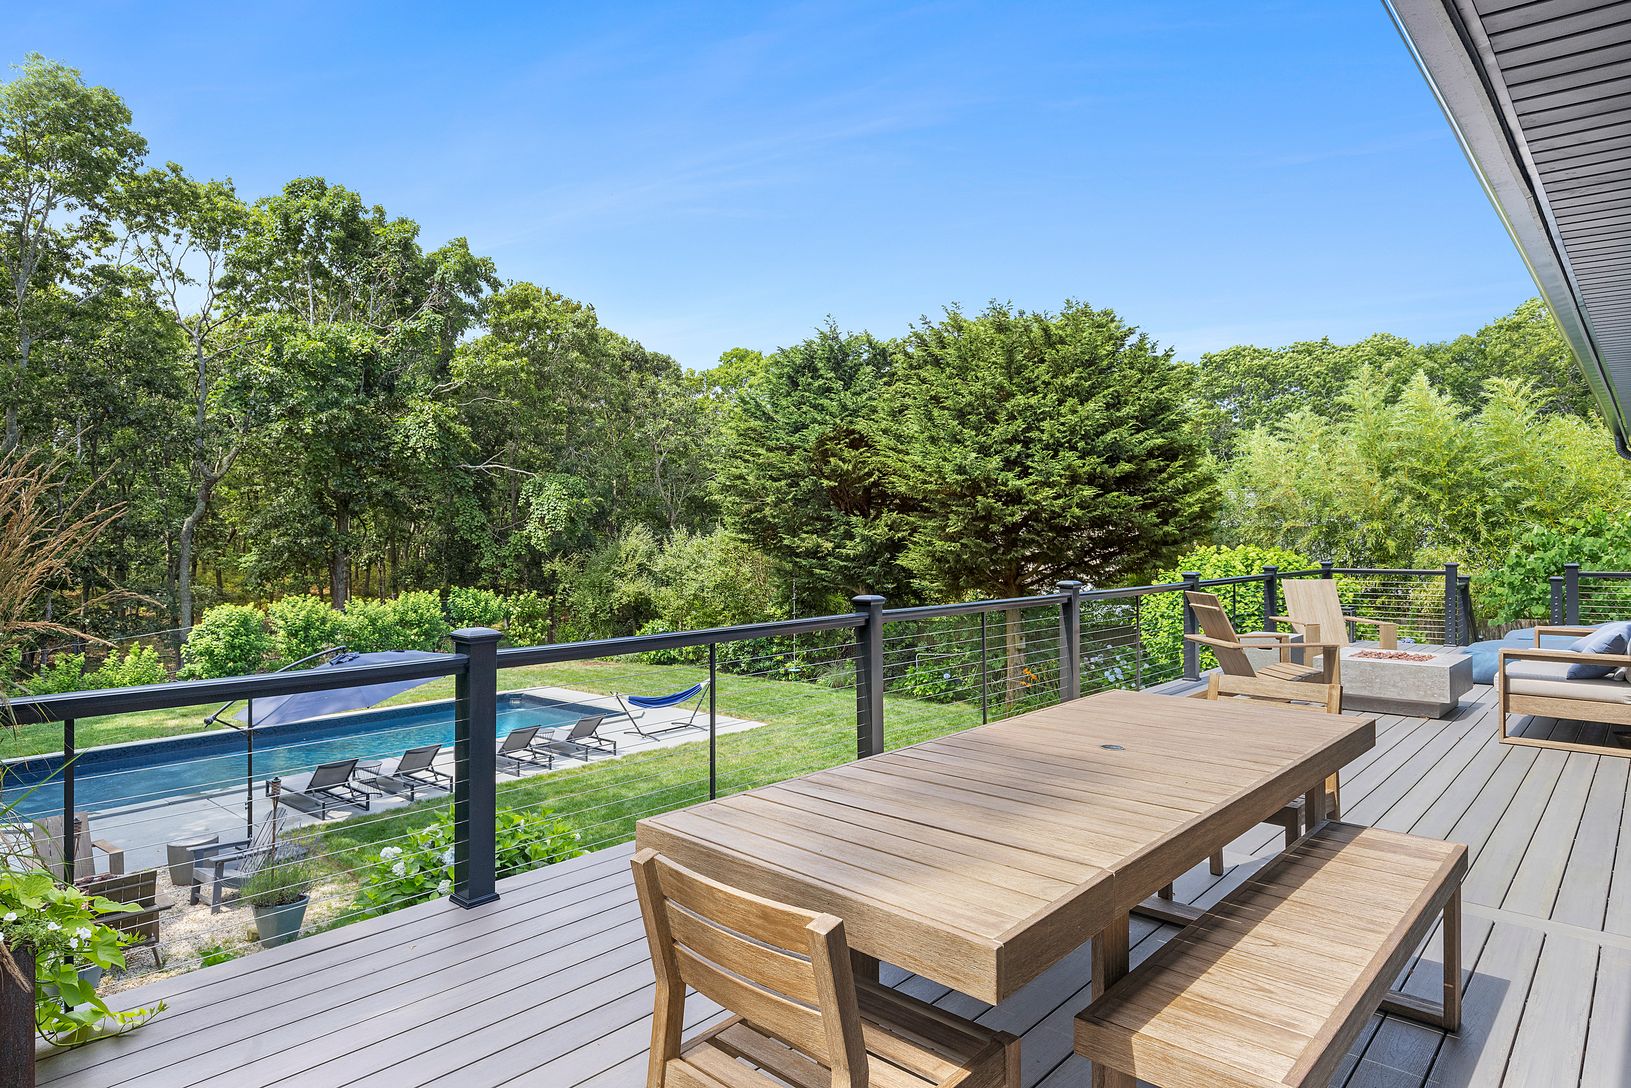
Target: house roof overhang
x=1539, y=94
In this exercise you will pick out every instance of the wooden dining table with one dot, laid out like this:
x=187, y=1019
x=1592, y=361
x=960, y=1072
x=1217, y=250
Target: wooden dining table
x=981, y=858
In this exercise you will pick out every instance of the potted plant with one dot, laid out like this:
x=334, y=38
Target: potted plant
x=51, y=935
x=278, y=895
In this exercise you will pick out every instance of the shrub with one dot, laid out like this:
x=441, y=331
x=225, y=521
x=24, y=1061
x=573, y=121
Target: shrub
x=475, y=608
x=139, y=666
x=230, y=640
x=66, y=672
x=302, y=625
x=526, y=620
x=1518, y=589
x=1162, y=619
x=419, y=619
x=422, y=868
x=370, y=626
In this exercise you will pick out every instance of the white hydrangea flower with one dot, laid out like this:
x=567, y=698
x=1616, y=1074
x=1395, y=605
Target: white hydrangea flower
x=447, y=856
x=11, y=916
x=399, y=869
x=52, y=926
x=390, y=853
x=444, y=887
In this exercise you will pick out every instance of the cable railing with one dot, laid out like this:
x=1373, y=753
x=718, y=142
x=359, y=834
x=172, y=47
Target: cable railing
x=1589, y=596
x=764, y=703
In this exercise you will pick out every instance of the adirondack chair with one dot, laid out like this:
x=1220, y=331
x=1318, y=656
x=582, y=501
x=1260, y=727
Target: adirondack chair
x=225, y=865
x=47, y=838
x=1218, y=635
x=135, y=889
x=1316, y=613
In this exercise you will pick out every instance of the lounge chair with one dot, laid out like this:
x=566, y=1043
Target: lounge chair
x=412, y=772
x=230, y=864
x=1316, y=612
x=134, y=889
x=582, y=741
x=635, y=706
x=46, y=835
x=329, y=786
x=519, y=747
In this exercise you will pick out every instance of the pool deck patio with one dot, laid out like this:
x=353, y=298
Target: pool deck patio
x=551, y=984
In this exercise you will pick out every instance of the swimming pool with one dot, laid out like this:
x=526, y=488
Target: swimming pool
x=142, y=772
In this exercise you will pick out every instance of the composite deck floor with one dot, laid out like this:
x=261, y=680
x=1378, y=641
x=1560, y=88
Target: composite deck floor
x=551, y=985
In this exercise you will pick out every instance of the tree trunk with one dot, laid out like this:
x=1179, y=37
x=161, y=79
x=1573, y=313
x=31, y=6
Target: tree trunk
x=339, y=582
x=184, y=548
x=16, y=1018
x=1014, y=620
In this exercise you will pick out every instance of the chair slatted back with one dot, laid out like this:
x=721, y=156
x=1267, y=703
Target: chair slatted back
x=1314, y=603
x=1214, y=623
x=264, y=843
x=336, y=773
x=784, y=970
x=585, y=727
x=50, y=843
x=418, y=759
x=140, y=889
x=519, y=740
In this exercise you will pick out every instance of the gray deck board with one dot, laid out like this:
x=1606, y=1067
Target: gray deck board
x=551, y=984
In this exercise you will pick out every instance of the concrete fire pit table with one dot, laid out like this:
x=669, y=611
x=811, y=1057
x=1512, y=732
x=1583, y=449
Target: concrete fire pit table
x=1398, y=684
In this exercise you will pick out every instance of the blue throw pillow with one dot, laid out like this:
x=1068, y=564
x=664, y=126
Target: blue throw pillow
x=1610, y=638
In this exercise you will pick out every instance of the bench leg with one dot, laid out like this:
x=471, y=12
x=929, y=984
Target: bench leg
x=1165, y=892
x=1452, y=962
x=1445, y=1016
x=1110, y=947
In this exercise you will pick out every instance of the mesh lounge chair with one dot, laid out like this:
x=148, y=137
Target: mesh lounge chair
x=583, y=741
x=636, y=705
x=47, y=838
x=520, y=749
x=412, y=772
x=329, y=786
x=224, y=865
x=135, y=889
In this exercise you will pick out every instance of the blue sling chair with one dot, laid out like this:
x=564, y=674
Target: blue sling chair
x=636, y=705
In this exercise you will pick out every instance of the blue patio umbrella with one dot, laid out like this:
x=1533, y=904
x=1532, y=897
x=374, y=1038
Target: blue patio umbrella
x=277, y=709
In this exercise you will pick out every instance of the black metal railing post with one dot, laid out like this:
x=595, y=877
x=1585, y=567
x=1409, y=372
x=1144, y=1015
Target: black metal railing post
x=475, y=787
x=1469, y=622
x=1192, y=652
x=70, y=830
x=1571, y=593
x=713, y=720
x=869, y=676
x=1452, y=606
x=1325, y=568
x=1070, y=641
x=1555, y=611
x=1271, y=595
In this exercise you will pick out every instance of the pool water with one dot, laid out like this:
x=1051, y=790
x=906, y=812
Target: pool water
x=140, y=773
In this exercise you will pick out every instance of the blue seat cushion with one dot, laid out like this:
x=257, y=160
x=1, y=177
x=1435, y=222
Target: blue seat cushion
x=1484, y=654
x=1610, y=638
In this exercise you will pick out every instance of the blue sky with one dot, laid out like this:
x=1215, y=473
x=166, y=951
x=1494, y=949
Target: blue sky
x=715, y=175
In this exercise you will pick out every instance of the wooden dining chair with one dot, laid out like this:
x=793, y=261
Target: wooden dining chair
x=800, y=1016
x=1268, y=689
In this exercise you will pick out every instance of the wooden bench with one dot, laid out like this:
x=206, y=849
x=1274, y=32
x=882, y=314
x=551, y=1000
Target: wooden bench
x=1272, y=986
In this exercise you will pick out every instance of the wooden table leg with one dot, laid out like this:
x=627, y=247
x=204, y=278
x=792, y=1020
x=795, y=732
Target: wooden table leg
x=1110, y=964
x=1314, y=807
